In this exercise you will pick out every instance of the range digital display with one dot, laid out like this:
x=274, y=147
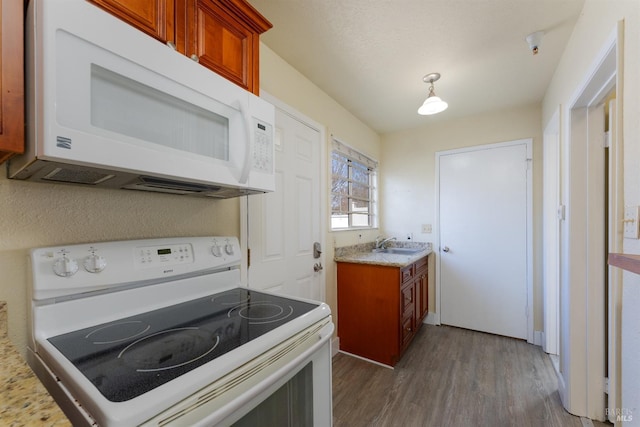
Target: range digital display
x=164, y=251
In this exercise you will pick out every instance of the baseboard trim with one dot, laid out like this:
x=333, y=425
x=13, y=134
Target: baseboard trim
x=432, y=319
x=366, y=360
x=538, y=338
x=335, y=346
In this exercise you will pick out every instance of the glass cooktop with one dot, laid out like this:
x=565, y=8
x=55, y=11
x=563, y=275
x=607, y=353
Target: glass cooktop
x=128, y=357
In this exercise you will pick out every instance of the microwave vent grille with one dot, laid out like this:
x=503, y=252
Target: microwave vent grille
x=77, y=176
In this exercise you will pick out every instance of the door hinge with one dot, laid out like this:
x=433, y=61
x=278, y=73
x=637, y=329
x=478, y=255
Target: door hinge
x=248, y=257
x=606, y=385
x=529, y=163
x=607, y=139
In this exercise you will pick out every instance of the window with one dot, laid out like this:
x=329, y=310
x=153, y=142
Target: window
x=353, y=188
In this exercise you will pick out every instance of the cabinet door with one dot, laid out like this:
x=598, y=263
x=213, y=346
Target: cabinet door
x=11, y=79
x=154, y=17
x=224, y=36
x=422, y=283
x=422, y=288
x=222, y=43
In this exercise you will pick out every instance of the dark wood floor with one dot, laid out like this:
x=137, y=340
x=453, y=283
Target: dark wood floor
x=452, y=377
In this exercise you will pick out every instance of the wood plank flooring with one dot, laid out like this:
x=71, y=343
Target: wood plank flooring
x=452, y=377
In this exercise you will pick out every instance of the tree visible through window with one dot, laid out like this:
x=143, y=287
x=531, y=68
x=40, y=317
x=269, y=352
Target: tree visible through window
x=353, y=188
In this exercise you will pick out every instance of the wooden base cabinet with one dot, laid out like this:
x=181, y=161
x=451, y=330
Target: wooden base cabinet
x=222, y=35
x=380, y=308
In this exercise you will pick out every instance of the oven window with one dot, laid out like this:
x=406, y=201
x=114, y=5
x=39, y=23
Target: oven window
x=291, y=405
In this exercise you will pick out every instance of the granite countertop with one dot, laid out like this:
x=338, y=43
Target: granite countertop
x=23, y=399
x=362, y=254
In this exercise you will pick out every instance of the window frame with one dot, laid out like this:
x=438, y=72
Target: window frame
x=353, y=159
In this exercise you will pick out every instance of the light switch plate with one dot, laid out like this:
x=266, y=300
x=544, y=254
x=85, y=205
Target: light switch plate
x=631, y=222
x=426, y=228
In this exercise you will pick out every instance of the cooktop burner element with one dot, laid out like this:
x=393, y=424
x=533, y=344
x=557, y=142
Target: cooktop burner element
x=168, y=349
x=261, y=312
x=117, y=332
x=131, y=356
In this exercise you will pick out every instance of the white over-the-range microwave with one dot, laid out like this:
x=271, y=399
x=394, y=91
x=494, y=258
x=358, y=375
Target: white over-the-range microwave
x=108, y=106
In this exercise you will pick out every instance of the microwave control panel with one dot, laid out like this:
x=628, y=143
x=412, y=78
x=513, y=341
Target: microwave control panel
x=262, y=155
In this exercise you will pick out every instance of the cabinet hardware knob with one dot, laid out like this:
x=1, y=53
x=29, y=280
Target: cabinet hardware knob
x=171, y=44
x=195, y=57
x=445, y=249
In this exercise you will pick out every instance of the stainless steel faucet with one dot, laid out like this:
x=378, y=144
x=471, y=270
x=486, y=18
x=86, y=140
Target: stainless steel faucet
x=380, y=241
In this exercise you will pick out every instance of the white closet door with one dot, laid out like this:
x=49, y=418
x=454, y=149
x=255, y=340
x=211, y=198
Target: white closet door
x=483, y=204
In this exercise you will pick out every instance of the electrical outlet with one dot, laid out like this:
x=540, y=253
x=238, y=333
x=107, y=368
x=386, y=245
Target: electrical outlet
x=426, y=228
x=631, y=222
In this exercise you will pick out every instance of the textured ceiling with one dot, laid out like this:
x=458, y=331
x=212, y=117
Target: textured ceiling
x=371, y=55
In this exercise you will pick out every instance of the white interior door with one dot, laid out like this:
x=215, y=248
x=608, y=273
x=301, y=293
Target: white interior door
x=284, y=225
x=484, y=219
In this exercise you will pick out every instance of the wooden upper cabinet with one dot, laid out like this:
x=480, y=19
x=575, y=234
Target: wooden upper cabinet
x=154, y=17
x=222, y=35
x=11, y=78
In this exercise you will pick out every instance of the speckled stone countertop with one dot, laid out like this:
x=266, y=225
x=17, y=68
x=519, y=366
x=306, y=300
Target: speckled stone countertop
x=362, y=254
x=23, y=399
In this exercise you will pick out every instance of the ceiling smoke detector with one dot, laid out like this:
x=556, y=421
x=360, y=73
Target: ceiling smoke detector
x=535, y=40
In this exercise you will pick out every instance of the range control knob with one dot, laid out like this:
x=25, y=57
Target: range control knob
x=94, y=263
x=65, y=267
x=228, y=248
x=216, y=251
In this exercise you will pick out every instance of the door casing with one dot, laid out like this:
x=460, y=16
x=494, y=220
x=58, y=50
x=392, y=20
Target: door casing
x=581, y=380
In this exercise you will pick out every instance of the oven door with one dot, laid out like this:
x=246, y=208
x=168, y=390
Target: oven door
x=289, y=385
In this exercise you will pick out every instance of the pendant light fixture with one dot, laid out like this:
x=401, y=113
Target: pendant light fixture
x=433, y=104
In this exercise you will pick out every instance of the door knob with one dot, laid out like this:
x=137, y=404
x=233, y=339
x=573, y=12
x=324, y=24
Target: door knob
x=445, y=249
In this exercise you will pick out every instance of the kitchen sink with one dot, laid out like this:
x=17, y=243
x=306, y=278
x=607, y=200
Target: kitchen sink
x=399, y=251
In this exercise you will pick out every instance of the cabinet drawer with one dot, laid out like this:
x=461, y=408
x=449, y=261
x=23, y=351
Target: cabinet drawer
x=407, y=330
x=406, y=274
x=407, y=302
x=420, y=265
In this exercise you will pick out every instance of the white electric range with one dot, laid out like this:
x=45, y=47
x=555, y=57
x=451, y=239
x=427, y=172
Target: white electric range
x=160, y=332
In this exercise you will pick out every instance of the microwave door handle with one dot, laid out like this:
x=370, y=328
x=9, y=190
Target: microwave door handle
x=244, y=174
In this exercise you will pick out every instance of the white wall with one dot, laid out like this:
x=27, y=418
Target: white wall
x=408, y=175
x=596, y=24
